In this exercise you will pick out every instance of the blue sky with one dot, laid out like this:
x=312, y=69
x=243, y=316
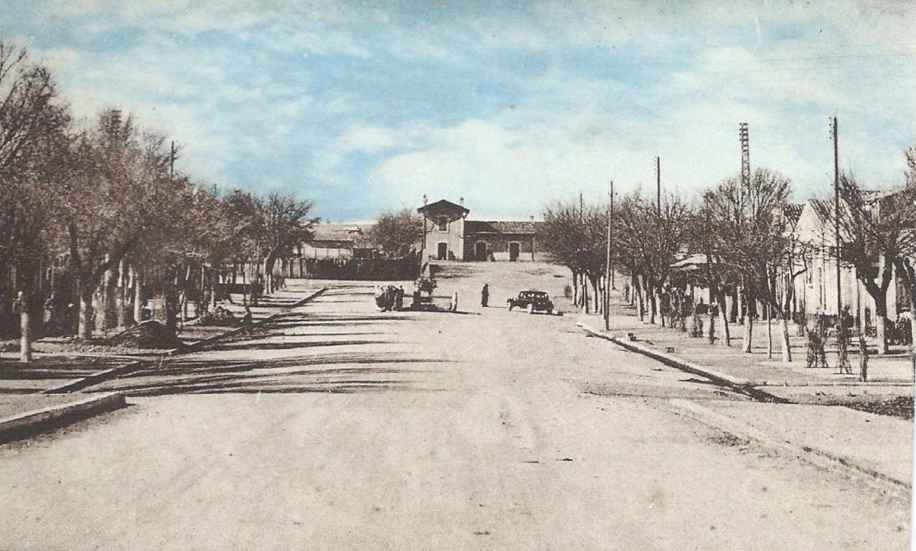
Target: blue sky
x=365, y=106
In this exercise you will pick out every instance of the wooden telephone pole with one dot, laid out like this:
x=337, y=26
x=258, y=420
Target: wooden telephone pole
x=836, y=214
x=608, y=270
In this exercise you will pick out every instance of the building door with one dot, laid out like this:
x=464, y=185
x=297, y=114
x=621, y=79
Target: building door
x=513, y=252
x=480, y=250
x=442, y=251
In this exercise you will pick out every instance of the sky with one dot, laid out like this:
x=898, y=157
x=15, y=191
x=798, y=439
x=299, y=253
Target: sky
x=365, y=106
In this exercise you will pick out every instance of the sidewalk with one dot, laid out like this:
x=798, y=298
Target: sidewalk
x=875, y=445
x=878, y=446
x=28, y=391
x=756, y=367
x=889, y=377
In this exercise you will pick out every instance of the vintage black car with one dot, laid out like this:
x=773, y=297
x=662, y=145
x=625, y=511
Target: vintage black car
x=533, y=301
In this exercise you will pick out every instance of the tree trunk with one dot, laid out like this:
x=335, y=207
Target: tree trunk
x=110, y=299
x=585, y=301
x=86, y=314
x=596, y=300
x=712, y=326
x=769, y=335
x=748, y=337
x=214, y=279
x=25, y=328
x=640, y=300
x=726, y=330
x=123, y=302
x=170, y=302
x=748, y=320
x=880, y=326
x=138, y=294
x=735, y=305
x=575, y=282
x=786, y=345
x=653, y=302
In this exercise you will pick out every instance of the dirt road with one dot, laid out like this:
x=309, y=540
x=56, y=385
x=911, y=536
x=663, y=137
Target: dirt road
x=340, y=427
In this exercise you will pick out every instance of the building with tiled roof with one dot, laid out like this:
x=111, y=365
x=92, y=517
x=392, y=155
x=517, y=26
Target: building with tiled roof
x=339, y=240
x=449, y=235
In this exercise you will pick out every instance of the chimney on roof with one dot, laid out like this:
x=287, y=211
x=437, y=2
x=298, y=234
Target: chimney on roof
x=461, y=201
x=425, y=200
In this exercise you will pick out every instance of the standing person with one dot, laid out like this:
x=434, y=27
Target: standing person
x=842, y=343
x=485, y=295
x=696, y=329
x=453, y=307
x=863, y=358
x=399, y=298
x=247, y=318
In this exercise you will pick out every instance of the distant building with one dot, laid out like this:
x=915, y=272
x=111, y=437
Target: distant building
x=339, y=241
x=449, y=235
x=816, y=288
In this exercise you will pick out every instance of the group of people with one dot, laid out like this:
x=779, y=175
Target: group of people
x=389, y=297
x=817, y=340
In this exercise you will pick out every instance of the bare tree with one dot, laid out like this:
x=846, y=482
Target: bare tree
x=904, y=262
x=654, y=238
x=397, y=233
x=285, y=224
x=750, y=228
x=33, y=126
x=112, y=198
x=875, y=228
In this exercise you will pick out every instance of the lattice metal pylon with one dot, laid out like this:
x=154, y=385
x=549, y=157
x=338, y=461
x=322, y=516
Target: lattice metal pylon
x=744, y=141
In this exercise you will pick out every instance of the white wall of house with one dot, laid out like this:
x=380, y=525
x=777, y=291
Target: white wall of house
x=817, y=288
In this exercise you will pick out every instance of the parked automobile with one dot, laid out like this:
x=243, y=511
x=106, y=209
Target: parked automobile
x=533, y=301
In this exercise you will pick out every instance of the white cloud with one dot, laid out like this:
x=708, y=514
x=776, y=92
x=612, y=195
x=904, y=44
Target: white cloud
x=679, y=77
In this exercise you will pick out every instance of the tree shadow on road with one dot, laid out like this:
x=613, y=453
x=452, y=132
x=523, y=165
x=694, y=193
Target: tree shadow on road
x=290, y=345
x=337, y=373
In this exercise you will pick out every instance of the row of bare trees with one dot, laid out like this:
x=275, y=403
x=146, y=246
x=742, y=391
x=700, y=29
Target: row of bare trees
x=748, y=233
x=96, y=212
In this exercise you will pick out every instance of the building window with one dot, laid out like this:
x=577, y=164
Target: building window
x=442, y=223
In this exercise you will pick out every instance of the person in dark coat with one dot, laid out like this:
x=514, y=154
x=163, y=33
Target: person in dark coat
x=485, y=295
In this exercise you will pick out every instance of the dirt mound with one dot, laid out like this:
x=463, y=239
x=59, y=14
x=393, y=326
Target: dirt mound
x=901, y=406
x=149, y=334
x=220, y=317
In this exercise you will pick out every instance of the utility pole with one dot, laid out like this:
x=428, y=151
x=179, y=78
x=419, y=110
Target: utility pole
x=172, y=153
x=612, y=217
x=581, y=207
x=836, y=213
x=607, y=273
x=744, y=184
x=658, y=185
x=744, y=141
x=423, y=242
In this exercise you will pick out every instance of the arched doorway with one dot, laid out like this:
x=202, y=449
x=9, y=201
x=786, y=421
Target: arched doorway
x=442, y=250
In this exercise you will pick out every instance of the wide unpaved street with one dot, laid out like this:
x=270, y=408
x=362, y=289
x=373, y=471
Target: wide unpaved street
x=340, y=427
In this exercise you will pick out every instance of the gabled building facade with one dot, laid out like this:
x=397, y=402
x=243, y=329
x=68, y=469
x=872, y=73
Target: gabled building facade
x=816, y=288
x=449, y=235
